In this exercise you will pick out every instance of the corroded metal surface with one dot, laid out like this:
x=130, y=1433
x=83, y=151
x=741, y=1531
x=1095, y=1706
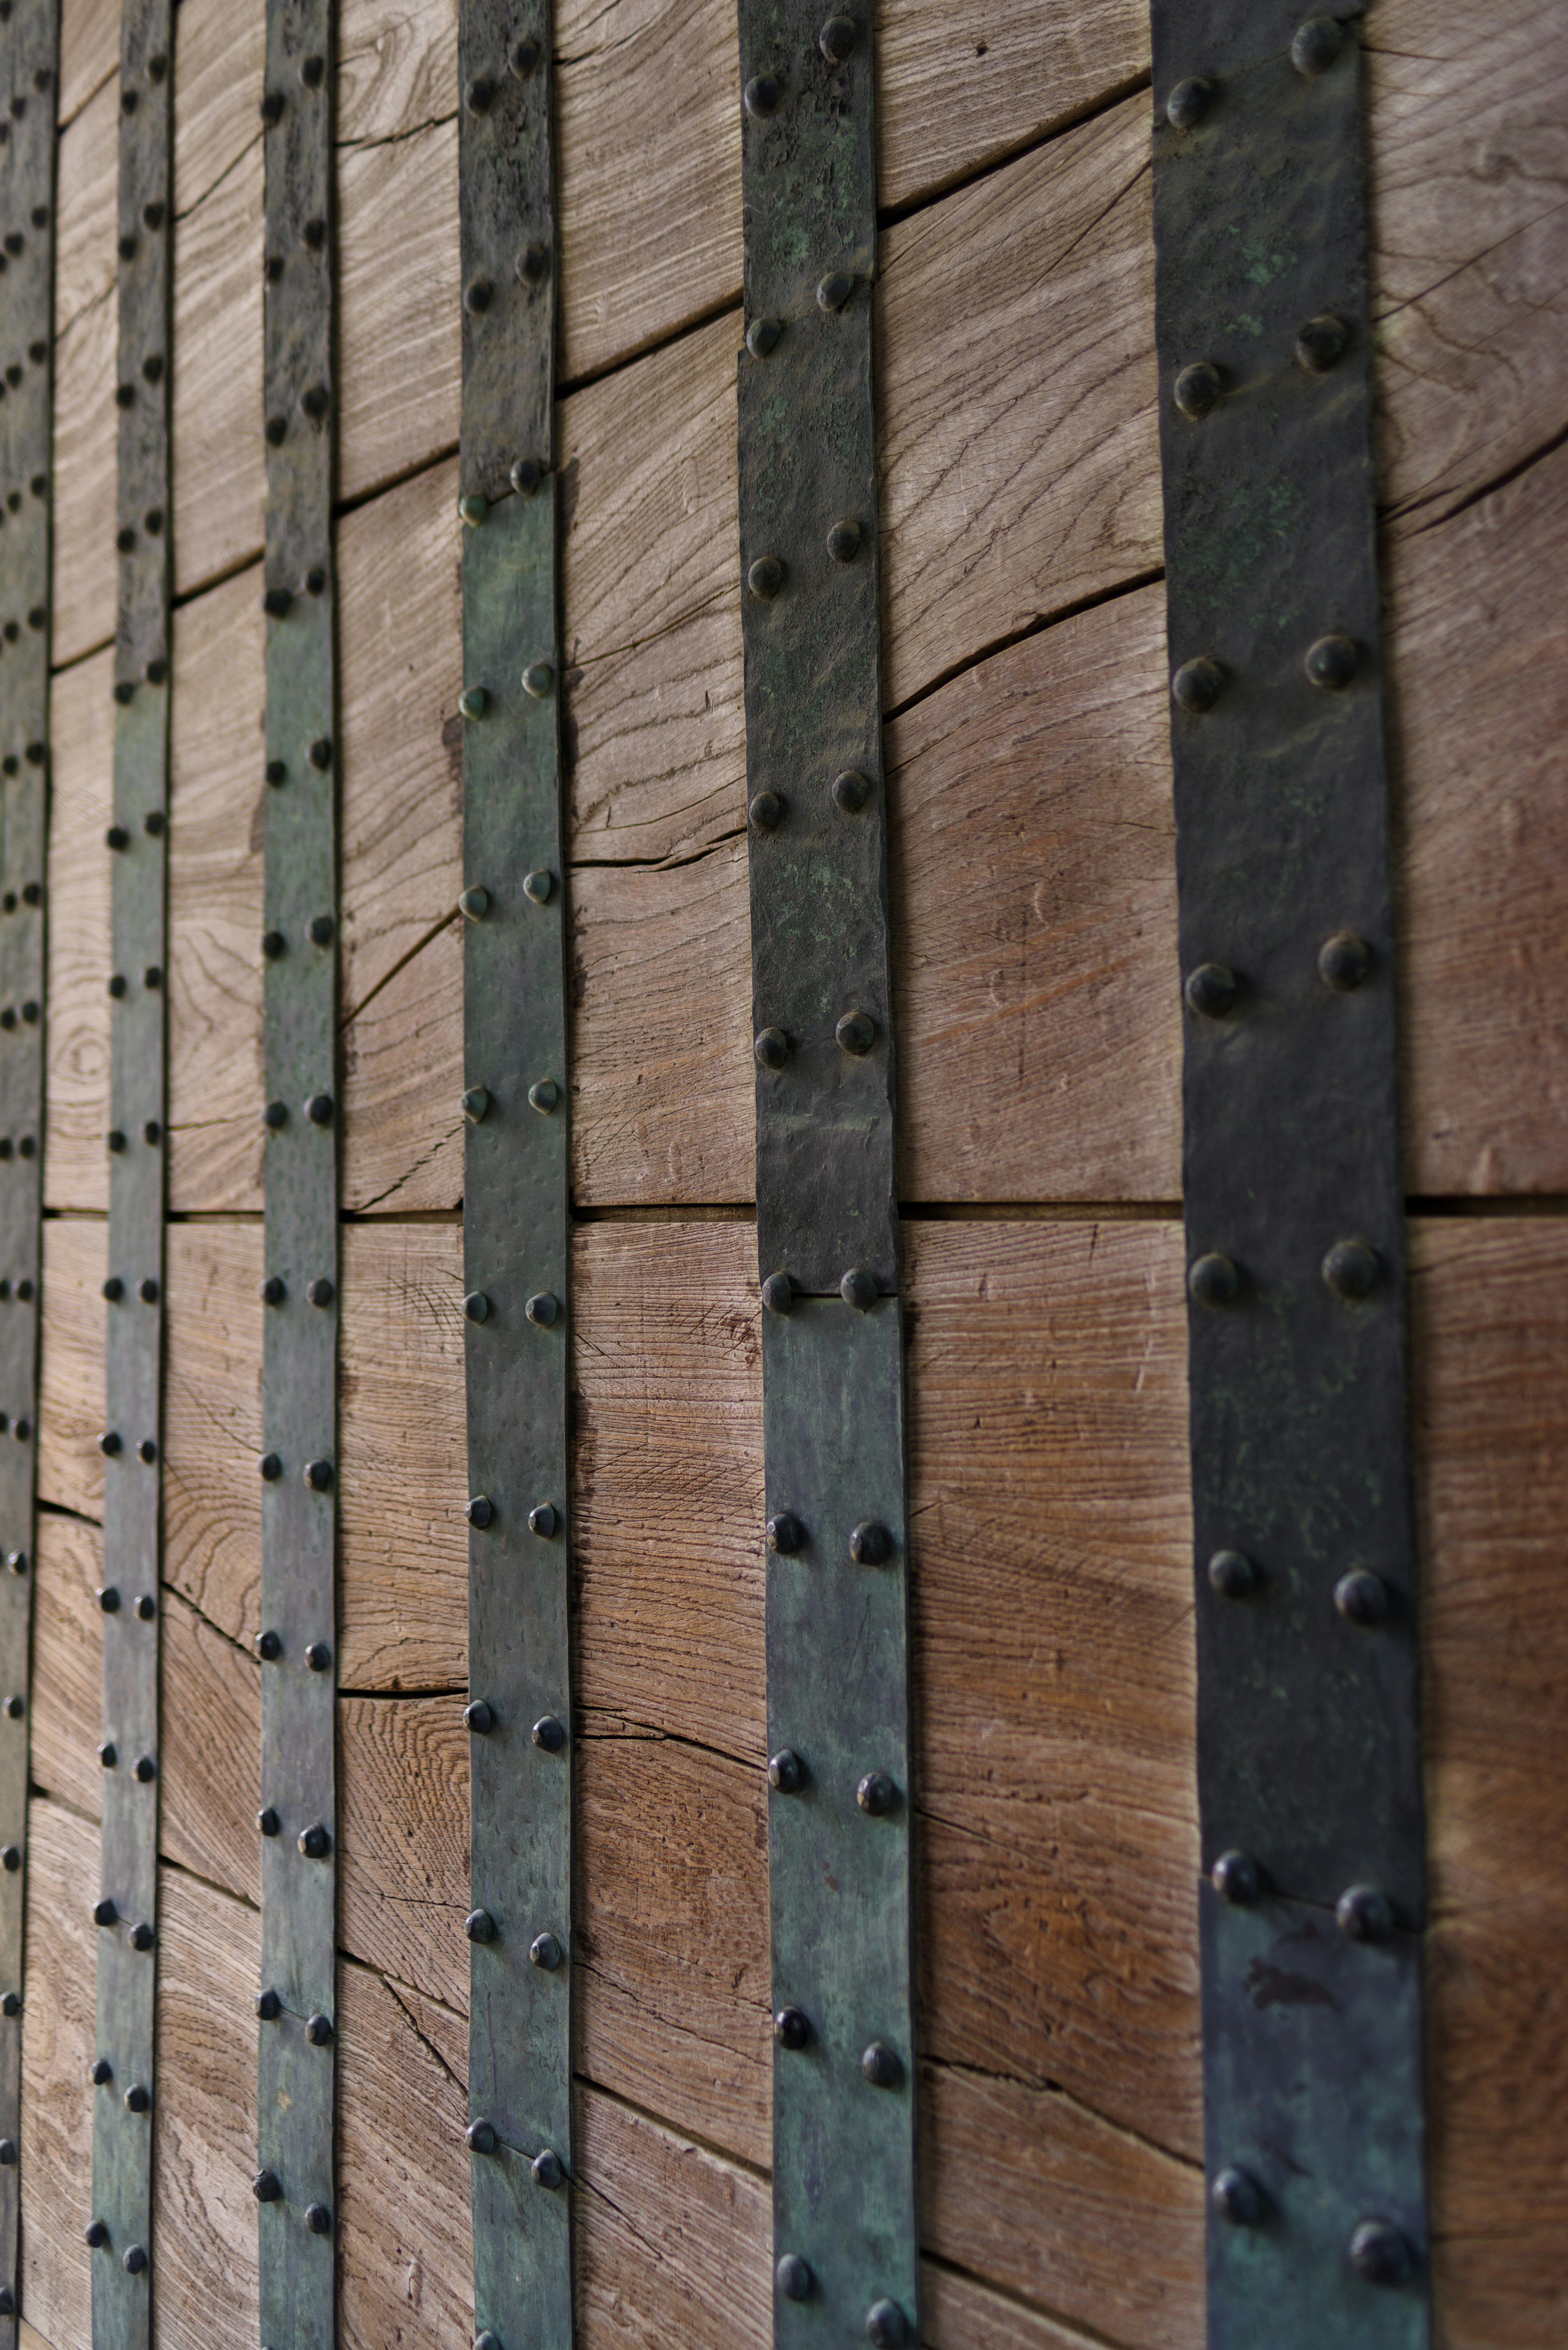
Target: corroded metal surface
x=516, y=1195
x=297, y=2032
x=846, y=2244
x=125, y=2095
x=1308, y=1747
x=28, y=65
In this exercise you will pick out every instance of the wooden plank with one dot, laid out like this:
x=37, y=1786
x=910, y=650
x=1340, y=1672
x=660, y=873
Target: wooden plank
x=56, y=2049
x=85, y=185
x=957, y=2314
x=215, y=434
x=89, y=53
x=396, y=67
x=401, y=359
x=83, y=591
x=67, y=1650
x=76, y=1111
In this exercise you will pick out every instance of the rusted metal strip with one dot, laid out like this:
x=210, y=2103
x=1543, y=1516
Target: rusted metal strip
x=296, y=2005
x=515, y=1193
x=845, y=2243
x=125, y=2088
x=29, y=38
x=1309, y=1757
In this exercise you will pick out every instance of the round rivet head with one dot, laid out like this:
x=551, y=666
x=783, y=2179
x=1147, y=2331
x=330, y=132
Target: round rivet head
x=1189, y=103
x=487, y=2341
x=315, y=1842
x=1351, y=1270
x=268, y=1823
x=784, y=1771
x=475, y=902
x=1362, y=1598
x=137, y=2100
x=319, y=1292
x=479, y=1925
x=762, y=96
x=1363, y=1914
x=320, y=754
x=473, y=509
x=147, y=1608
x=537, y=886
x=785, y=1533
x=272, y=1290
x=1331, y=662
x=474, y=1104
x=133, y=2260
x=1315, y=46
x=1198, y=685
x=269, y=2007
x=876, y=1794
x=110, y=1442
x=10, y=2003
x=851, y=792
x=763, y=337
x=765, y=578
x=544, y=1096
x=834, y=290
x=473, y=702
x=318, y=1656
x=318, y=1475
x=481, y=2137
x=1213, y=1280
x=839, y=39
x=100, y=2071
x=547, y=2169
x=543, y=1520
x=1321, y=343
x=1232, y=1575
x=886, y=2325
x=881, y=2066
x=476, y=1306
x=538, y=679
x=318, y=2218
x=1345, y=963
x=479, y=1717
x=766, y=811
x=264, y=2187
x=793, y=2277
x=777, y=1294
x=268, y=1646
x=549, y=1734
x=1380, y=2252
x=870, y=1544
x=857, y=1034
x=844, y=541
x=858, y=1289
x=526, y=476
x=109, y=1599
x=11, y=1859
x=478, y=96
x=546, y=1951
x=275, y=1115
x=319, y=1110
x=542, y=1309
x=95, y=2233
x=1197, y=389
x=146, y=1769
x=476, y=298
x=1237, y=1878
x=1212, y=991
x=104, y=1912
x=523, y=57
x=479, y=1512
x=791, y=2029
x=1236, y=2197
x=772, y=1048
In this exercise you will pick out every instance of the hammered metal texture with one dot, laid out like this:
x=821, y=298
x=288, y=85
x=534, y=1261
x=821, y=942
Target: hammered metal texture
x=516, y=1200
x=1308, y=1743
x=846, y=2243
x=28, y=69
x=297, y=2078
x=127, y=1958
x=812, y=666
x=843, y=2147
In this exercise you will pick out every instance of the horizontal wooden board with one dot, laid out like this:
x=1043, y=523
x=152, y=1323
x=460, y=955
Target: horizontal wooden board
x=90, y=52
x=56, y=2049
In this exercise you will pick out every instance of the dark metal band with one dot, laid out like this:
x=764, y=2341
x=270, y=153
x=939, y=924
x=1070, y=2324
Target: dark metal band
x=28, y=73
x=515, y=1197
x=132, y=1442
x=1308, y=1754
x=297, y=1644
x=846, y=2240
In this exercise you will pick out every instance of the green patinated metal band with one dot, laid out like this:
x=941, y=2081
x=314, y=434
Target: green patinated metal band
x=845, y=2241
x=1308, y=1744
x=516, y=1254
x=28, y=78
x=297, y=2007
x=125, y=2097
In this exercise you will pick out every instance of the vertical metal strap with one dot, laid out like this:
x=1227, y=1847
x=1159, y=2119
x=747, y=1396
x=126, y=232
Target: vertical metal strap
x=28, y=75
x=133, y=1439
x=846, y=2244
x=297, y=1644
x=517, y=1172
x=1308, y=1753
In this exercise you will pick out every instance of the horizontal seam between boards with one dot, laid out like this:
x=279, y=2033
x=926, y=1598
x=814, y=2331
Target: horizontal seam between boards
x=1090, y=2337
x=1485, y=490
x=674, y=2129
x=1188, y=2165
x=894, y=215
x=1131, y=586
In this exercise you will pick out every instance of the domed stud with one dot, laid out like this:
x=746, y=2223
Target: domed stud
x=858, y=1289
x=1198, y=685
x=542, y=1309
x=1321, y=344
x=547, y=2169
x=319, y=2031
x=763, y=337
x=839, y=39
x=266, y=2186
x=1232, y=1575
x=476, y=1306
x=1212, y=991
x=777, y=1294
x=473, y=1104
x=538, y=679
x=1344, y=963
x=1237, y=1878
x=793, y=2277
x=870, y=1544
x=479, y=1925
x=772, y=1048
x=791, y=2029
x=761, y=96
x=479, y=1510
x=546, y=1953
x=473, y=702
x=1316, y=45
x=318, y=2218
x=857, y=1034
x=1362, y=1598
x=479, y=1717
x=543, y=1520
x=1380, y=2252
x=481, y=2137
x=1213, y=1280
x=1197, y=389
x=876, y=1794
x=886, y=2326
x=833, y=290
x=1236, y=2197
x=1351, y=1270
x=765, y=578
x=473, y=509
x=1189, y=103
x=1331, y=662
x=785, y=1772
x=844, y=540
x=766, y=811
x=1363, y=1915
x=526, y=476
x=549, y=1734
x=851, y=792
x=315, y=1842
x=786, y=1535
x=544, y=1096
x=881, y=2066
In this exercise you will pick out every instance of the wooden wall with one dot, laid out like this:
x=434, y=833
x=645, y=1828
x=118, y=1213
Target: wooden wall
x=1039, y=1039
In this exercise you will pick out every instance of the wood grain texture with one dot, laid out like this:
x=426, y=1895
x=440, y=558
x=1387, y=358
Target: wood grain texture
x=82, y=566
x=398, y=284
x=958, y=2314
x=216, y=449
x=76, y=1108
x=56, y=2049
x=90, y=52
x=396, y=67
